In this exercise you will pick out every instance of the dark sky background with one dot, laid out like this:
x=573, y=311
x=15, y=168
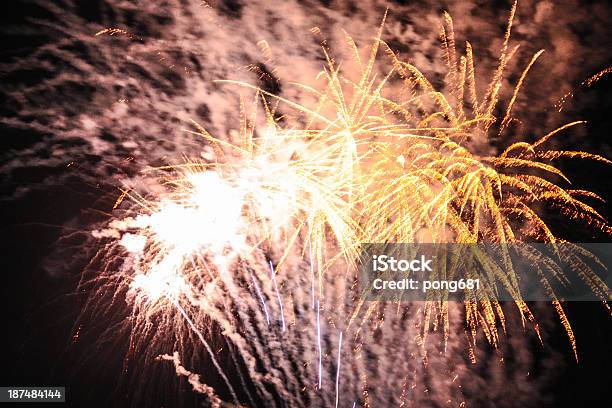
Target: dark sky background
x=81, y=115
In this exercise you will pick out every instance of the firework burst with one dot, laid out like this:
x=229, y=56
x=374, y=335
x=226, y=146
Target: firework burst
x=437, y=190
x=231, y=242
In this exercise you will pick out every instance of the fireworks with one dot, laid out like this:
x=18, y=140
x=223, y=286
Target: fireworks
x=439, y=191
x=226, y=243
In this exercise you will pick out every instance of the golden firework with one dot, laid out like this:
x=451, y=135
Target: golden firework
x=370, y=164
